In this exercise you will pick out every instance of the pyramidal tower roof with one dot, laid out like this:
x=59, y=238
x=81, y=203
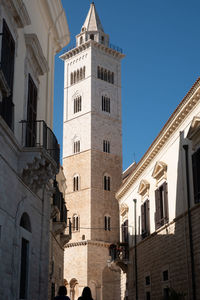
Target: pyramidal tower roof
x=92, y=21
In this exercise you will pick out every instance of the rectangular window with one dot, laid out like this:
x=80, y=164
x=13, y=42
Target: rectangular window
x=7, y=68
x=125, y=232
x=165, y=275
x=145, y=219
x=147, y=280
x=24, y=269
x=196, y=175
x=105, y=104
x=161, y=199
x=106, y=183
x=148, y=295
x=77, y=104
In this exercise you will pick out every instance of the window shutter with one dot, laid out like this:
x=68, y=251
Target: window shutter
x=147, y=217
x=142, y=218
x=157, y=213
x=165, y=189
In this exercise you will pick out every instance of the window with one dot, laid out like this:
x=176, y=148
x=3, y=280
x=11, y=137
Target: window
x=196, y=175
x=92, y=36
x=7, y=67
x=77, y=75
x=24, y=268
x=161, y=198
x=72, y=78
x=105, y=75
x=81, y=40
x=77, y=104
x=147, y=280
x=107, y=183
x=102, y=39
x=31, y=113
x=76, y=183
x=105, y=104
x=53, y=291
x=75, y=223
x=76, y=146
x=107, y=223
x=106, y=146
x=145, y=219
x=125, y=232
x=165, y=275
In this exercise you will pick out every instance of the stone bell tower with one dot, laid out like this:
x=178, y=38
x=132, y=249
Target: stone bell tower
x=92, y=158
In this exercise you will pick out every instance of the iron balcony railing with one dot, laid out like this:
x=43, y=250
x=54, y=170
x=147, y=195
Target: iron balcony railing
x=119, y=252
x=38, y=134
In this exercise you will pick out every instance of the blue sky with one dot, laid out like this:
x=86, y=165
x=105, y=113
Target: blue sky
x=161, y=41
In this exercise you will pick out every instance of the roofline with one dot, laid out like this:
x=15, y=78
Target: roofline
x=177, y=117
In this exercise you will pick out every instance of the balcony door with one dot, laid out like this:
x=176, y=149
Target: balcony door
x=31, y=114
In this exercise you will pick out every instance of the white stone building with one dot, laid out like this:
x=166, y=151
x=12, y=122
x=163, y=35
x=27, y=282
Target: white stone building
x=32, y=32
x=160, y=209
x=92, y=158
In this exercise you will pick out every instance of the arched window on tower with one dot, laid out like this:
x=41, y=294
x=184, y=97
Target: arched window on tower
x=92, y=36
x=75, y=223
x=112, y=78
x=105, y=104
x=98, y=72
x=81, y=73
x=76, y=183
x=76, y=146
x=72, y=78
x=109, y=79
x=78, y=78
x=102, y=73
x=105, y=75
x=77, y=104
x=106, y=146
x=81, y=40
x=106, y=183
x=107, y=223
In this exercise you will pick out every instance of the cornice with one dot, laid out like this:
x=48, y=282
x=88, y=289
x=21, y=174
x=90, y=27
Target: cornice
x=33, y=44
x=84, y=243
x=176, y=119
x=88, y=44
x=19, y=12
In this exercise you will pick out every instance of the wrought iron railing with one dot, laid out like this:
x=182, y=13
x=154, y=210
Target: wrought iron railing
x=38, y=134
x=119, y=252
x=114, y=47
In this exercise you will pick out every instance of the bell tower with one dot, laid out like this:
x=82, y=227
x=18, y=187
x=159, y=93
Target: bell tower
x=92, y=158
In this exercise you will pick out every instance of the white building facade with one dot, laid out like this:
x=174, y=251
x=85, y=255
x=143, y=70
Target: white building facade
x=159, y=211
x=32, y=32
x=92, y=158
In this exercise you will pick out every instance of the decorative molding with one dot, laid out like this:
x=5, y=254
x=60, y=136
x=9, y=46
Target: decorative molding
x=124, y=209
x=143, y=187
x=194, y=132
x=36, y=53
x=160, y=171
x=84, y=243
x=88, y=44
x=179, y=115
x=19, y=12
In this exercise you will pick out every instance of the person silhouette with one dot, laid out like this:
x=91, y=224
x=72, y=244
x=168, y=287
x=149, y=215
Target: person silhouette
x=86, y=294
x=62, y=294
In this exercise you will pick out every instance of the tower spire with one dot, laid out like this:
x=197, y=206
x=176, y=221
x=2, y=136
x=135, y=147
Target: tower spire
x=92, y=21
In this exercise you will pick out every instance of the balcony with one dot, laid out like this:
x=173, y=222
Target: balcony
x=119, y=256
x=39, y=161
x=61, y=224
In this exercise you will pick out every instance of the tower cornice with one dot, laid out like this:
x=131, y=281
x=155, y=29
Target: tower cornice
x=91, y=43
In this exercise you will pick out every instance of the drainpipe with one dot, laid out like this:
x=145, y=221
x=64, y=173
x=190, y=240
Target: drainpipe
x=135, y=265
x=185, y=147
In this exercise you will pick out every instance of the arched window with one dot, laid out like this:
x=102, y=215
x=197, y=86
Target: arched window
x=72, y=78
x=112, y=78
x=102, y=73
x=81, y=74
x=25, y=222
x=105, y=75
x=81, y=40
x=92, y=36
x=76, y=183
x=106, y=183
x=102, y=39
x=76, y=146
x=109, y=79
x=98, y=72
x=75, y=223
x=107, y=223
x=77, y=104
x=78, y=78
x=106, y=146
x=105, y=104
